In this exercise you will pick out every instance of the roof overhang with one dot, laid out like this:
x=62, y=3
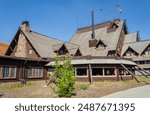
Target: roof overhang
x=97, y=61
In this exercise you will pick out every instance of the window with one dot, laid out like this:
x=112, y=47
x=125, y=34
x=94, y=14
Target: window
x=81, y=71
x=109, y=71
x=112, y=53
x=40, y=71
x=30, y=51
x=30, y=71
x=122, y=71
x=8, y=72
x=131, y=52
x=147, y=52
x=97, y=71
x=12, y=74
x=5, y=72
x=35, y=72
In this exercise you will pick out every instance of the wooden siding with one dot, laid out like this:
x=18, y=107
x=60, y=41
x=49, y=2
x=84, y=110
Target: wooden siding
x=21, y=46
x=22, y=68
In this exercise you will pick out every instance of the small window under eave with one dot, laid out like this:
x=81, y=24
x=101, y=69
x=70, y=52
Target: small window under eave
x=62, y=51
x=78, y=53
x=100, y=45
x=130, y=52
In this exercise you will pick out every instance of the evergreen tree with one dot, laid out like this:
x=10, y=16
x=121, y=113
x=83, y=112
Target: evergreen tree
x=65, y=77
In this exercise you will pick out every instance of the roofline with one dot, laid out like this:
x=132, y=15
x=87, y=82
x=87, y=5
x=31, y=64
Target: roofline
x=89, y=57
x=138, y=41
x=47, y=36
x=23, y=58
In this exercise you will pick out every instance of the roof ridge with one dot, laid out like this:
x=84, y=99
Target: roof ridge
x=47, y=36
x=137, y=41
x=72, y=43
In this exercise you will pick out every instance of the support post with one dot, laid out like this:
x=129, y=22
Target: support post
x=117, y=73
x=129, y=72
x=90, y=74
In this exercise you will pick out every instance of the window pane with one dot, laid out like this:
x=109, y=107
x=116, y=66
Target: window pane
x=40, y=71
x=12, y=72
x=109, y=71
x=35, y=72
x=97, y=71
x=81, y=71
x=5, y=72
x=30, y=71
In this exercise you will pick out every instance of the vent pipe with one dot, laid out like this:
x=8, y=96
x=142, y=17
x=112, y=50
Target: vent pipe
x=93, y=31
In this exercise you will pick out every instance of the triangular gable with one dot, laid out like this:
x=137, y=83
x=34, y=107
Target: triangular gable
x=62, y=50
x=129, y=49
x=78, y=53
x=12, y=49
x=100, y=44
x=146, y=49
x=112, y=27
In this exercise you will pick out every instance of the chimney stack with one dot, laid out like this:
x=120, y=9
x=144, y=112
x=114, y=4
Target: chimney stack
x=93, y=31
x=25, y=26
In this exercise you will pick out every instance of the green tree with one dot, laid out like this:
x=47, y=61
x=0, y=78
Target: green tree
x=65, y=77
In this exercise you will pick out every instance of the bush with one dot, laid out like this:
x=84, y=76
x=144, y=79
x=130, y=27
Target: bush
x=83, y=86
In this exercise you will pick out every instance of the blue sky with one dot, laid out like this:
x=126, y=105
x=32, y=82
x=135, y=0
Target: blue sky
x=61, y=18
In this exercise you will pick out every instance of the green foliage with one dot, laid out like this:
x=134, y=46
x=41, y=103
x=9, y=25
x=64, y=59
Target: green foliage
x=83, y=86
x=15, y=86
x=65, y=77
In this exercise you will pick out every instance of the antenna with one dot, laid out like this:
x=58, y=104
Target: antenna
x=118, y=9
x=93, y=31
x=103, y=14
x=79, y=20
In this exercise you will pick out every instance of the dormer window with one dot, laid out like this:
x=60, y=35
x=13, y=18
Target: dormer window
x=130, y=52
x=147, y=50
x=78, y=53
x=112, y=27
x=100, y=45
x=111, y=53
x=30, y=51
x=62, y=51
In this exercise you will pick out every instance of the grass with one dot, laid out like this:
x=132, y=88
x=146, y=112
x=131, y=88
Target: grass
x=83, y=90
x=82, y=86
x=16, y=86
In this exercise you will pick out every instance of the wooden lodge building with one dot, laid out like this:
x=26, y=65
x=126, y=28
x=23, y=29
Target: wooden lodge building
x=103, y=51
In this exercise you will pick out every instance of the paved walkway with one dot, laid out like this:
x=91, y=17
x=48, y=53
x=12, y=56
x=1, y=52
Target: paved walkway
x=138, y=92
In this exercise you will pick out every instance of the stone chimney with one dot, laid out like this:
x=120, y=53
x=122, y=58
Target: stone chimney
x=25, y=26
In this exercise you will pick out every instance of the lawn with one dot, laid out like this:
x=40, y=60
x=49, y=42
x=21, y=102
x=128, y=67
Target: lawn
x=35, y=89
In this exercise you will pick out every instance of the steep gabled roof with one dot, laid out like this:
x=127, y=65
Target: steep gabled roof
x=132, y=37
x=139, y=47
x=82, y=37
x=42, y=44
x=130, y=48
x=3, y=48
x=46, y=46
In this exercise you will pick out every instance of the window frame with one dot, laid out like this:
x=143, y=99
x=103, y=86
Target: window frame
x=76, y=70
x=37, y=69
x=9, y=71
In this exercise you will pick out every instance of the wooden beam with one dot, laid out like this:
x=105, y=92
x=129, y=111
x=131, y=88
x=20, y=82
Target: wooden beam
x=117, y=73
x=90, y=74
x=143, y=70
x=130, y=72
x=140, y=72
